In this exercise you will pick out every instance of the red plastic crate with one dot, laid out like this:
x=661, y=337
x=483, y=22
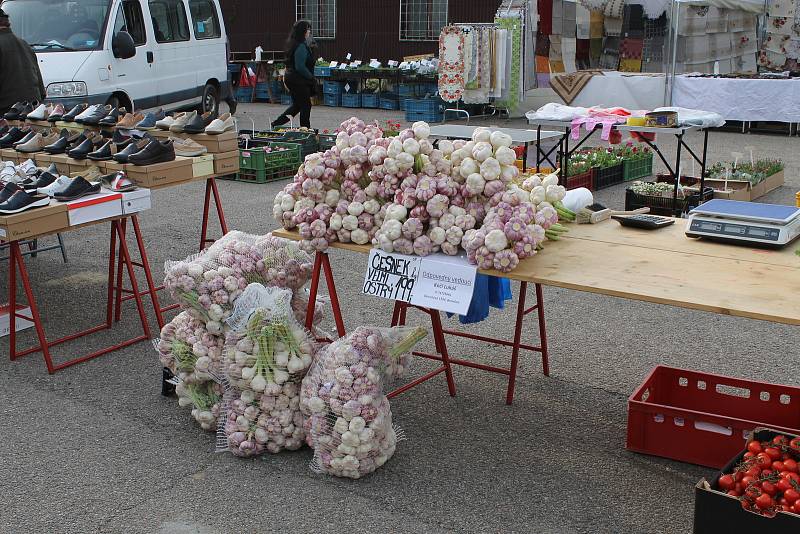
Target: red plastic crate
x=580, y=180
x=702, y=418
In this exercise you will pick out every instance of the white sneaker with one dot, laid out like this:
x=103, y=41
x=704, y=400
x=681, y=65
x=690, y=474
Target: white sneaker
x=27, y=168
x=221, y=124
x=39, y=114
x=61, y=184
x=8, y=171
x=165, y=123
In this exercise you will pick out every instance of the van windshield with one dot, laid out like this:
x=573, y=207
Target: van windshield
x=59, y=25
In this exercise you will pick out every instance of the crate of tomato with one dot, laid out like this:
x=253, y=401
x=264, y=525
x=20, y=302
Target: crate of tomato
x=757, y=491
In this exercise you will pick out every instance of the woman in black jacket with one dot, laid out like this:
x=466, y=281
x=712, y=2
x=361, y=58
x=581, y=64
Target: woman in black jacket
x=299, y=77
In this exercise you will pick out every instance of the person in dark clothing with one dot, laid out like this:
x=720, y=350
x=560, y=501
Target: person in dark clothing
x=21, y=79
x=299, y=77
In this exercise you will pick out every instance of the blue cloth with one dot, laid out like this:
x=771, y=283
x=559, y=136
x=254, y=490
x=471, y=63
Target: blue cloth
x=489, y=291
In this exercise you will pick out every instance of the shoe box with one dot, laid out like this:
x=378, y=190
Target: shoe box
x=19, y=325
x=226, y=163
x=136, y=201
x=103, y=205
x=161, y=174
x=64, y=163
x=224, y=142
x=203, y=166
x=34, y=222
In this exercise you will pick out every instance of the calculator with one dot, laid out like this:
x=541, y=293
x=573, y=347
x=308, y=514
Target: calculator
x=647, y=222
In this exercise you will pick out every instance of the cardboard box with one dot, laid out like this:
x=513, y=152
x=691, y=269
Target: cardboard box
x=736, y=189
x=34, y=222
x=770, y=183
x=20, y=324
x=224, y=142
x=136, y=201
x=715, y=511
x=39, y=125
x=67, y=165
x=161, y=174
x=103, y=205
x=203, y=166
x=226, y=163
x=112, y=166
x=9, y=154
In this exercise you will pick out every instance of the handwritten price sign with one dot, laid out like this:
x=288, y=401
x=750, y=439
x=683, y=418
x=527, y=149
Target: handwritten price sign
x=391, y=276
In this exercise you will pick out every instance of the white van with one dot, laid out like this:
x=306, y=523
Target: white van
x=141, y=54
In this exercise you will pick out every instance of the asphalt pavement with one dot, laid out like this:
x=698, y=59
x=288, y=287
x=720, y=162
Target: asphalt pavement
x=96, y=448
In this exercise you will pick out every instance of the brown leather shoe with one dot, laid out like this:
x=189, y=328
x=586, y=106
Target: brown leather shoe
x=129, y=121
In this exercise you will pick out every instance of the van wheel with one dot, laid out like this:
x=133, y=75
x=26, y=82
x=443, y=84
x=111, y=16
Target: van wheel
x=210, y=99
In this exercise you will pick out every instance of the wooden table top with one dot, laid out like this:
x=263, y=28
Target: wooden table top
x=662, y=266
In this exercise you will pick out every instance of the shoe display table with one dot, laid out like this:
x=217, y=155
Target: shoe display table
x=694, y=274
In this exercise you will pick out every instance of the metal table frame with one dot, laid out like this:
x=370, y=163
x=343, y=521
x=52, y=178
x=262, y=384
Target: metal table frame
x=565, y=151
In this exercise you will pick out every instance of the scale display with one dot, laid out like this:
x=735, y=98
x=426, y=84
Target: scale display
x=734, y=230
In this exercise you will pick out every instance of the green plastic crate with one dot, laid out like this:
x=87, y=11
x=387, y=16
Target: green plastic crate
x=326, y=141
x=258, y=166
x=636, y=169
x=307, y=140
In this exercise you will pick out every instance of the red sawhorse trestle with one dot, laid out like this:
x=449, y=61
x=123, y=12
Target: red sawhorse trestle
x=17, y=262
x=152, y=289
x=322, y=263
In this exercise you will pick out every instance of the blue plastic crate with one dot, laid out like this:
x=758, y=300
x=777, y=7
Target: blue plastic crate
x=430, y=88
x=332, y=88
x=286, y=99
x=351, y=100
x=322, y=72
x=244, y=94
x=425, y=105
x=402, y=102
x=407, y=89
x=370, y=100
x=389, y=103
x=427, y=116
x=333, y=100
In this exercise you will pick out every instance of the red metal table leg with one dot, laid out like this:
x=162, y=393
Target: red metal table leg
x=312, y=292
x=151, y=288
x=211, y=187
x=337, y=312
x=16, y=260
x=118, y=285
x=512, y=374
x=542, y=331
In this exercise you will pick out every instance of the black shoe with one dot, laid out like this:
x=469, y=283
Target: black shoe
x=83, y=150
x=13, y=113
x=112, y=118
x=28, y=136
x=29, y=106
x=280, y=121
x=21, y=201
x=199, y=122
x=77, y=189
x=132, y=148
x=13, y=135
x=7, y=191
x=103, y=153
x=60, y=146
x=43, y=180
x=94, y=118
x=74, y=112
x=121, y=140
x=155, y=152
x=4, y=130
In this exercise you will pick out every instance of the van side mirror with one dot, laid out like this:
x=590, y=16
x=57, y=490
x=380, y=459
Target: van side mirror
x=122, y=45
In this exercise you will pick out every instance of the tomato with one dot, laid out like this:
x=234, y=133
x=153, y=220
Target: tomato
x=796, y=508
x=754, y=447
x=738, y=475
x=752, y=491
x=794, y=444
x=769, y=488
x=780, y=440
x=726, y=482
x=753, y=471
x=763, y=459
x=791, y=495
x=748, y=481
x=783, y=501
x=783, y=484
x=788, y=474
x=786, y=508
x=778, y=466
x=764, y=501
x=749, y=455
x=739, y=488
x=766, y=472
x=790, y=465
x=773, y=453
x=734, y=493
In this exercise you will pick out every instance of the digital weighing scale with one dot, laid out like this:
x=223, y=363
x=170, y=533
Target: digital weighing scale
x=745, y=223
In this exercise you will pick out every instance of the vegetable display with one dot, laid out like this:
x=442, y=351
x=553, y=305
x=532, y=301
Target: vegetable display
x=767, y=481
x=403, y=195
x=349, y=421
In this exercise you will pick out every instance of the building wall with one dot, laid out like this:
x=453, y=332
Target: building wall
x=364, y=28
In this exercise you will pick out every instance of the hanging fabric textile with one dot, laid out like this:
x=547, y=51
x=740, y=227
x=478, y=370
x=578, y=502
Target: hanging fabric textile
x=479, y=71
x=451, y=63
